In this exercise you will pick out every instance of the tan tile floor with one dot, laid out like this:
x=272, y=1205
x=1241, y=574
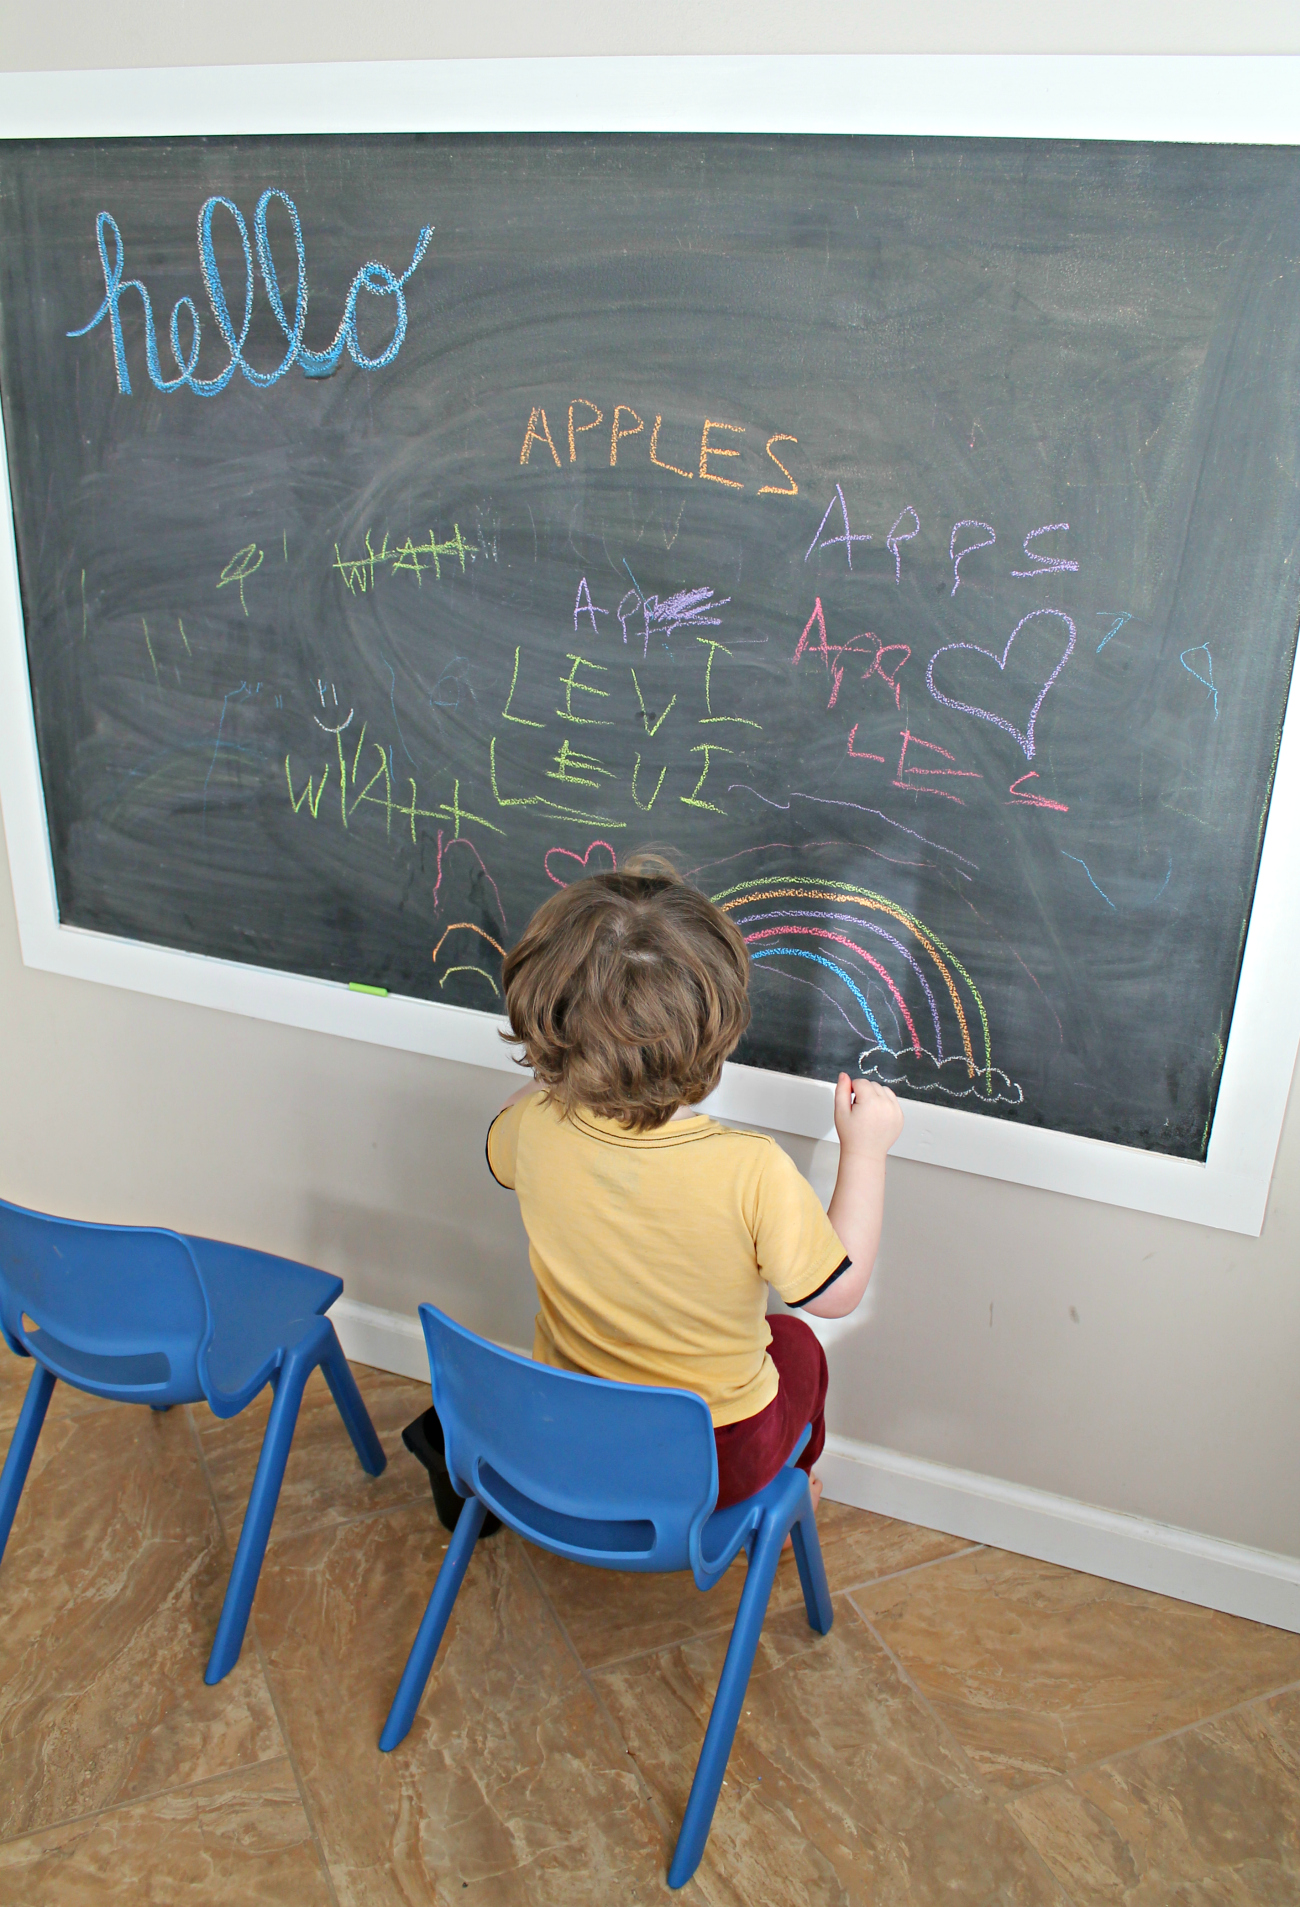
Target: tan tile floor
x=976, y=1728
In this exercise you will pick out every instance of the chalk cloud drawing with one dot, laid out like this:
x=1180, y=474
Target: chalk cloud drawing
x=948, y=1078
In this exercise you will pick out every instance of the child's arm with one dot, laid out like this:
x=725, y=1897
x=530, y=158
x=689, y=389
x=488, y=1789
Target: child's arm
x=868, y=1119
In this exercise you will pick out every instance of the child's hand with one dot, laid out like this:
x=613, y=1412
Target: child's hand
x=868, y=1118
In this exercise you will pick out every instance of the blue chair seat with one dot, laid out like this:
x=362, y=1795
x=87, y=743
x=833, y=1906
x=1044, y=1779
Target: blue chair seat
x=143, y=1316
x=257, y=1300
x=620, y=1476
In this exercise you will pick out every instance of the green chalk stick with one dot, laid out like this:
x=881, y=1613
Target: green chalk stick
x=359, y=986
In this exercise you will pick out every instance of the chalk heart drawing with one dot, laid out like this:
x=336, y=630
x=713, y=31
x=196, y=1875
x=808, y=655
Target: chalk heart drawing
x=1025, y=736
x=578, y=864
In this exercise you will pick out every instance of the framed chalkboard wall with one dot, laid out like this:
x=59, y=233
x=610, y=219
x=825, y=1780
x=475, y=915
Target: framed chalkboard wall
x=897, y=524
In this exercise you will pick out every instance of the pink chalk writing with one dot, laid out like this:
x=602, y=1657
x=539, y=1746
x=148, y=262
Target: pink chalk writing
x=1033, y=801
x=916, y=770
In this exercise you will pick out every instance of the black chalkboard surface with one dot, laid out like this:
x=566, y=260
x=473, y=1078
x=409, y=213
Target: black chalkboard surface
x=901, y=532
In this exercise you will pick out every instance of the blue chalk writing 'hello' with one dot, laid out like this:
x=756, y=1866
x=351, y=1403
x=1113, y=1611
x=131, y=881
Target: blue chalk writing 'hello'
x=376, y=279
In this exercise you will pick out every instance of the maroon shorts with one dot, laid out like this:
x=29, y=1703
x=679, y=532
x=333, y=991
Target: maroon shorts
x=751, y=1452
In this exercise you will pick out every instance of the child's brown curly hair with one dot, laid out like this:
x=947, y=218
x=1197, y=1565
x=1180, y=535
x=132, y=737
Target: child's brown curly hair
x=627, y=991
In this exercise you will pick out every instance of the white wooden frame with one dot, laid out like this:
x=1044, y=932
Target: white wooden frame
x=1213, y=100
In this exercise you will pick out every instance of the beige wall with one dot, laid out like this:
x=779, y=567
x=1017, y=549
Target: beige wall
x=86, y=33
x=1130, y=1361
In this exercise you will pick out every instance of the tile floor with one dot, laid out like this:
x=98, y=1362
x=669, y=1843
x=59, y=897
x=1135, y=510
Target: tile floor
x=976, y=1728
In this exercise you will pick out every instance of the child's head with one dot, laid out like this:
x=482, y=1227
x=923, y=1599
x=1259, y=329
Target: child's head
x=627, y=992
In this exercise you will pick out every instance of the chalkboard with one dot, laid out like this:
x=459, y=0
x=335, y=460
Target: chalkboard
x=901, y=532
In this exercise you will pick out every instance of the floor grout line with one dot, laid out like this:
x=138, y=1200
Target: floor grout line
x=912, y=1569
x=725, y=1628
x=180, y=1787
x=1004, y=1800
x=1155, y=1741
x=344, y=1522
x=123, y=1805
x=1039, y=1860
x=251, y=1637
x=994, y=1799
x=324, y=1522
x=611, y=1726
x=206, y=1474
x=303, y=1792
x=661, y=1648
x=910, y=1682
x=666, y=1648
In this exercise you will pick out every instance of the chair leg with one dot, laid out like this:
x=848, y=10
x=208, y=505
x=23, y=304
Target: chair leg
x=812, y=1570
x=289, y=1385
x=425, y=1647
x=22, y=1447
x=727, y=1703
x=351, y=1407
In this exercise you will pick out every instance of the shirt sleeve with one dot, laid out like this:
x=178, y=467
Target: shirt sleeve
x=503, y=1144
x=799, y=1250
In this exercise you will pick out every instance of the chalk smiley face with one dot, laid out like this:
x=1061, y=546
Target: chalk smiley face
x=1024, y=737
x=581, y=863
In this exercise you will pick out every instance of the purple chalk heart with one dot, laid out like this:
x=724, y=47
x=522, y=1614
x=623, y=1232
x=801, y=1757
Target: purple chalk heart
x=1025, y=738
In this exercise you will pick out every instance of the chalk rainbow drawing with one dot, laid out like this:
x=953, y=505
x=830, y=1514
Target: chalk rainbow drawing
x=864, y=941
x=468, y=927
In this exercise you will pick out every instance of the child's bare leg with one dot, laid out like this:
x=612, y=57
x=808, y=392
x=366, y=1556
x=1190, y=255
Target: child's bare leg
x=815, y=1486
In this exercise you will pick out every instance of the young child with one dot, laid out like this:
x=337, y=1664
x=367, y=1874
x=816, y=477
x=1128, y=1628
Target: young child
x=654, y=1232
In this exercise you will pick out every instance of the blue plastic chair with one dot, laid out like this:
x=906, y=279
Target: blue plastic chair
x=624, y=1476
x=151, y=1317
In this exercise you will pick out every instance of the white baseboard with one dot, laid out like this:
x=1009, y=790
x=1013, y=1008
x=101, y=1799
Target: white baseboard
x=1254, y=1583
x=387, y=1340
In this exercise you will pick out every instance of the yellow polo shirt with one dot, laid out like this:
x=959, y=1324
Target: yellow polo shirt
x=653, y=1252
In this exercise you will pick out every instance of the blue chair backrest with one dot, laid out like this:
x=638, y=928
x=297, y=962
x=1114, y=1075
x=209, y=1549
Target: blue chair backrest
x=624, y=1476
x=117, y=1310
